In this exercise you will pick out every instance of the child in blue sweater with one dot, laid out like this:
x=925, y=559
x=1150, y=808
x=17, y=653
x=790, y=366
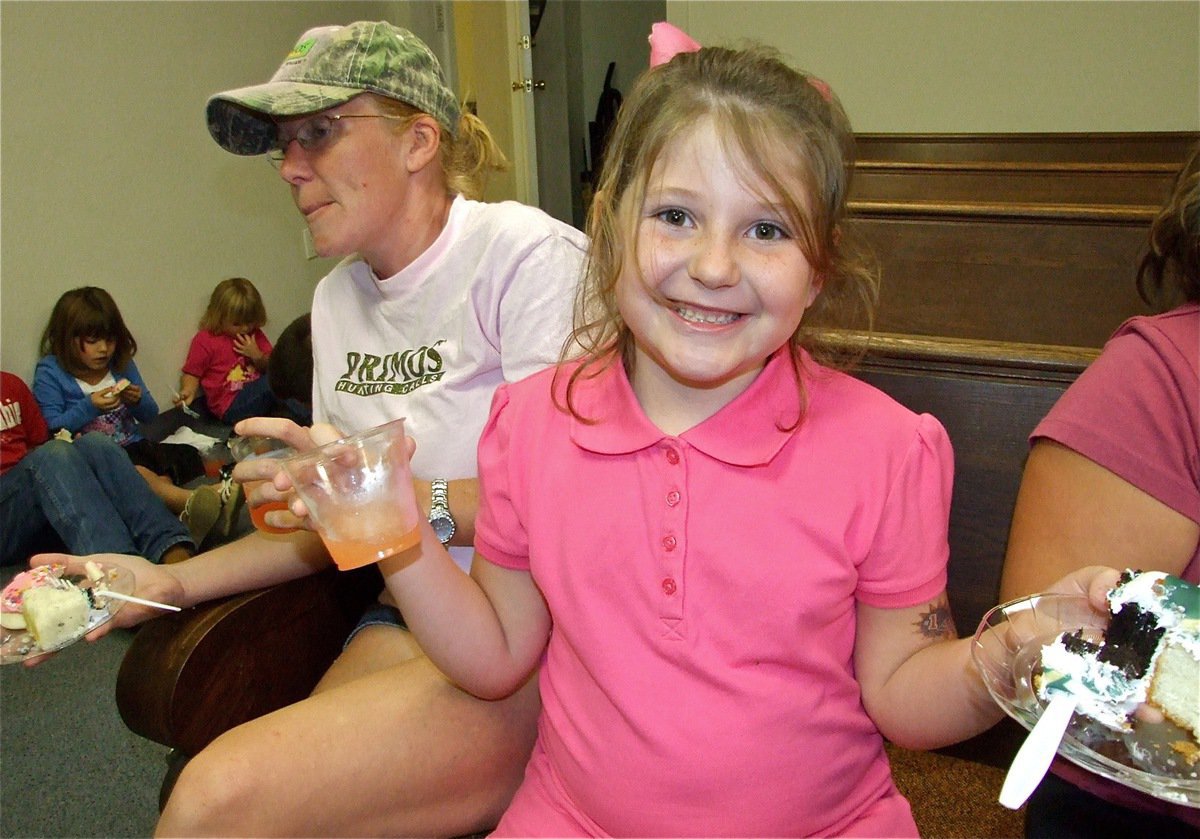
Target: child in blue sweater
x=87, y=381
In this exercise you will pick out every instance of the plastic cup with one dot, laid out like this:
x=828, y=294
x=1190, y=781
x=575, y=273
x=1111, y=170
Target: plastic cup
x=248, y=448
x=257, y=513
x=251, y=448
x=214, y=460
x=359, y=495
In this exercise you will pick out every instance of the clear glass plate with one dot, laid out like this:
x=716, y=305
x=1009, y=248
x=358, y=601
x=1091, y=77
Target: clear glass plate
x=16, y=645
x=1007, y=650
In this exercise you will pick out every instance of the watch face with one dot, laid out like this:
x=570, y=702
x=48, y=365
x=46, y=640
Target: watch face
x=443, y=527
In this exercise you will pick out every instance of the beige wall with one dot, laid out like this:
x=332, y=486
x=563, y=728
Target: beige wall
x=982, y=66
x=109, y=176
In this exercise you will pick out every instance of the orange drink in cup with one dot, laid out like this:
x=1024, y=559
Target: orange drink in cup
x=359, y=494
x=252, y=448
x=257, y=513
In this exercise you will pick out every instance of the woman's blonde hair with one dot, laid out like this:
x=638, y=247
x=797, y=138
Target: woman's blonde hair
x=235, y=300
x=468, y=157
x=1169, y=273
x=787, y=128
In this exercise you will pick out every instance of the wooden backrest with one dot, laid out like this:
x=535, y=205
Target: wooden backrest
x=1011, y=237
x=989, y=396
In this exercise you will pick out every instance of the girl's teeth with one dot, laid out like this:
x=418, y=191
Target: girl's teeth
x=706, y=317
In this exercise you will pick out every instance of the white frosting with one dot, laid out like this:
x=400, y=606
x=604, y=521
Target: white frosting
x=1104, y=692
x=1143, y=591
x=1101, y=691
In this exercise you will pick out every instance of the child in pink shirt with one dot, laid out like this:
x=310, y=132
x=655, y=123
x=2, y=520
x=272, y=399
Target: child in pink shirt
x=727, y=557
x=228, y=356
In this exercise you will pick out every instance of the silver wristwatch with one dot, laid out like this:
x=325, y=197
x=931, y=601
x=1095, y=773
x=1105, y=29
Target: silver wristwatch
x=439, y=511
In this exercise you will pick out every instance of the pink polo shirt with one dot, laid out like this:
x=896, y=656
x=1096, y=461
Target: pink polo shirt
x=699, y=678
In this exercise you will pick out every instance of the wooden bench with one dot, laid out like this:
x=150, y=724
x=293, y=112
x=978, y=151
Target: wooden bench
x=1011, y=237
x=190, y=676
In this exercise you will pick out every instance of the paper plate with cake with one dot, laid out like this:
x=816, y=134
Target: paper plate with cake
x=1133, y=673
x=44, y=609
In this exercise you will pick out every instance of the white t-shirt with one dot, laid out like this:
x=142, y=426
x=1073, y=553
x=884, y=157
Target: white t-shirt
x=490, y=301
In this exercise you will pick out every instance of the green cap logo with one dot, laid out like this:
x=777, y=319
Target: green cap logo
x=301, y=49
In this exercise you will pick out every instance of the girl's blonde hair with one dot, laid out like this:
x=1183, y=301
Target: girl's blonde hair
x=86, y=313
x=788, y=128
x=467, y=157
x=1169, y=273
x=235, y=300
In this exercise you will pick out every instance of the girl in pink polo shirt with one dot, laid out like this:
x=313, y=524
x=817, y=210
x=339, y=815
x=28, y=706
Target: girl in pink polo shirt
x=728, y=557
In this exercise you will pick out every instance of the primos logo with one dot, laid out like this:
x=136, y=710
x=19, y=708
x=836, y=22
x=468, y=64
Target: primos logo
x=395, y=373
x=301, y=49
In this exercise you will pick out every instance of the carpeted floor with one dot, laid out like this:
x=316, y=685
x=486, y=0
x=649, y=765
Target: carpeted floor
x=68, y=765
x=953, y=798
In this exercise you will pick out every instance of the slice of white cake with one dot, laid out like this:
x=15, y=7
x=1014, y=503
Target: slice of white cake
x=54, y=615
x=1175, y=688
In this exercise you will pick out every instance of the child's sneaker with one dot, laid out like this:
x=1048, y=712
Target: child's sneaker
x=232, y=500
x=201, y=512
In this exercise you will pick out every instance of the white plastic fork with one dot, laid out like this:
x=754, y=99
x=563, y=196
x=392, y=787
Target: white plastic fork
x=1034, y=757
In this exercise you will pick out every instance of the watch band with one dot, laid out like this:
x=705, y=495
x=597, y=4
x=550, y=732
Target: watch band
x=439, y=510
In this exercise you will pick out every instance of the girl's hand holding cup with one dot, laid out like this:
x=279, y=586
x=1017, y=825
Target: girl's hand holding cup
x=358, y=491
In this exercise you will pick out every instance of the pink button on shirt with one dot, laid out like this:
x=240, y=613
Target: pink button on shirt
x=699, y=676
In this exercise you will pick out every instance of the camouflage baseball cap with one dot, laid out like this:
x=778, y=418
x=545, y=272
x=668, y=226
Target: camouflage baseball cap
x=329, y=66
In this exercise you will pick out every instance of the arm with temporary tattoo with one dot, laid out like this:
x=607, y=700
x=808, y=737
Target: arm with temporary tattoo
x=917, y=678
x=918, y=681
x=936, y=622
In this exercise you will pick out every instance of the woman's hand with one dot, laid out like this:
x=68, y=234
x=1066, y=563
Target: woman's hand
x=151, y=582
x=275, y=485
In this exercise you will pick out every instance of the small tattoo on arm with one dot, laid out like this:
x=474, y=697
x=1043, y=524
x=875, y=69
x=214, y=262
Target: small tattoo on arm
x=937, y=622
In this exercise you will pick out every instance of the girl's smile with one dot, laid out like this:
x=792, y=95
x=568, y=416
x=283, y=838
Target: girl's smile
x=706, y=316
x=718, y=280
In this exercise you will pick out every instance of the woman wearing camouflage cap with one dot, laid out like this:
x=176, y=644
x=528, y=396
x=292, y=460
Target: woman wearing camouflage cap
x=440, y=299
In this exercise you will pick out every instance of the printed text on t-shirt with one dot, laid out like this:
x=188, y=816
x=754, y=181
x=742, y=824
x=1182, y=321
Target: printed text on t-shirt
x=396, y=373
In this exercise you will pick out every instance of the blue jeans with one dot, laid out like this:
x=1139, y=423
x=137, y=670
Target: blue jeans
x=257, y=400
x=90, y=495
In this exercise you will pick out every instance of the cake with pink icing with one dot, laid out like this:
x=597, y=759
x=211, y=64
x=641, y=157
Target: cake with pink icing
x=11, y=616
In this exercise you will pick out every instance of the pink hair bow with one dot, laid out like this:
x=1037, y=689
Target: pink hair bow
x=667, y=41
x=822, y=87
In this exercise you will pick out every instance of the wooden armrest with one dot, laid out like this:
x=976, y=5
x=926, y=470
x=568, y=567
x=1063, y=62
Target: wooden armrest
x=190, y=676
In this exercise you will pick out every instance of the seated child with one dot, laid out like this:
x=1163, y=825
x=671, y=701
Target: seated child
x=229, y=355
x=87, y=380
x=86, y=493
